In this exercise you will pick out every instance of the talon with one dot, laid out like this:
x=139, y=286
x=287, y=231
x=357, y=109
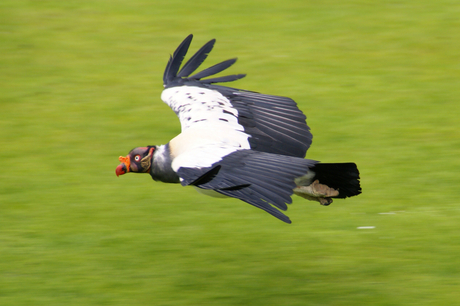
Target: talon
x=325, y=201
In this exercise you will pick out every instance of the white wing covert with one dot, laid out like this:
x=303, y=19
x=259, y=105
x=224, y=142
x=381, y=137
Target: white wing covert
x=197, y=106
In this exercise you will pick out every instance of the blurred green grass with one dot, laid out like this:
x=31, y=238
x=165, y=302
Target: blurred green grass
x=80, y=84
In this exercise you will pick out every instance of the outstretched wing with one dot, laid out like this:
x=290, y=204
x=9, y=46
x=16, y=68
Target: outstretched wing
x=261, y=179
x=260, y=122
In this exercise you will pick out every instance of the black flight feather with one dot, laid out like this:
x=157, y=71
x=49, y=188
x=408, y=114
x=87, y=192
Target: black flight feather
x=214, y=69
x=176, y=60
x=175, y=77
x=228, y=78
x=197, y=59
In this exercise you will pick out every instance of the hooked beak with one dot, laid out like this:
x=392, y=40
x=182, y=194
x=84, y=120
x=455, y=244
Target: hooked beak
x=123, y=167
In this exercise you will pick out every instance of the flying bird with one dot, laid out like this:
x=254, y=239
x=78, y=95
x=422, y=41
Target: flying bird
x=237, y=143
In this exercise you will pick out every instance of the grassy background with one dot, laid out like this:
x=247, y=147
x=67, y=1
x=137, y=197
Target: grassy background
x=80, y=84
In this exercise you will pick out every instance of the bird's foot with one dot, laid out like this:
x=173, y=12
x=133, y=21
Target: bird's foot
x=317, y=192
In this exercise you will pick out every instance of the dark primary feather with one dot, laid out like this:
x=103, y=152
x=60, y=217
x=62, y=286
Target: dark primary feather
x=176, y=60
x=197, y=59
x=214, y=69
x=174, y=77
x=261, y=179
x=227, y=78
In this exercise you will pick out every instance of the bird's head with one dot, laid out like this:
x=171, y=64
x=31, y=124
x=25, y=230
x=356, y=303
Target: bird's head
x=138, y=160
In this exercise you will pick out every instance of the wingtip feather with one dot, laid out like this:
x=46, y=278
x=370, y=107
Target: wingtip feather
x=214, y=69
x=173, y=75
x=197, y=59
x=176, y=59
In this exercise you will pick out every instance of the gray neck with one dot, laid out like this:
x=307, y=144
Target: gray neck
x=161, y=166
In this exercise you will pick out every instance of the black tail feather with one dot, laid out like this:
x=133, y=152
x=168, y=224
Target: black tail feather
x=343, y=177
x=173, y=76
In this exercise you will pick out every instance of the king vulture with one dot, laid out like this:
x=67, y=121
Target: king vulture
x=237, y=143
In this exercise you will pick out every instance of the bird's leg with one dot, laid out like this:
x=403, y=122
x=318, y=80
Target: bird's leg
x=317, y=192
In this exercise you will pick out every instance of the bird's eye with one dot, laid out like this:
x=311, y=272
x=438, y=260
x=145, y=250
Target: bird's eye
x=137, y=158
